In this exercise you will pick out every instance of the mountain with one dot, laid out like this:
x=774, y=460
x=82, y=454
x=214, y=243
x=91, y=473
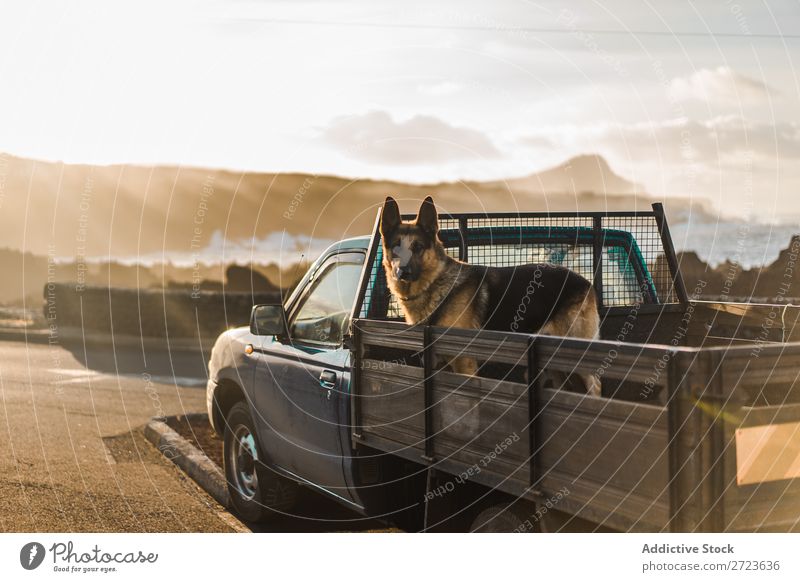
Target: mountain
x=586, y=173
x=128, y=211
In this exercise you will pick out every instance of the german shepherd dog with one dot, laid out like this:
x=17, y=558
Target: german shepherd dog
x=434, y=288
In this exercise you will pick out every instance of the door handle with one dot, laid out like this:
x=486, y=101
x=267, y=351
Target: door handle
x=327, y=379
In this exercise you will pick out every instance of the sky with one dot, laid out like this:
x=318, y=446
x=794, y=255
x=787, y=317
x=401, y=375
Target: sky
x=696, y=99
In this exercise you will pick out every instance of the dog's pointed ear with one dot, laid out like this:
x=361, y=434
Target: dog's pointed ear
x=427, y=218
x=390, y=216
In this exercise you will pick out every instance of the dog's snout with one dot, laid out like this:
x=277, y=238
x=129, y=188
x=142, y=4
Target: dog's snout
x=403, y=273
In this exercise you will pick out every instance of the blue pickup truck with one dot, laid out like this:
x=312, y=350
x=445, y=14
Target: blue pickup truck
x=333, y=391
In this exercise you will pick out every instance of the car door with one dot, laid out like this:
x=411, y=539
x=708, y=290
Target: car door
x=299, y=384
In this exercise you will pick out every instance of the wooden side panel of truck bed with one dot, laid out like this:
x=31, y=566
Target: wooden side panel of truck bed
x=610, y=456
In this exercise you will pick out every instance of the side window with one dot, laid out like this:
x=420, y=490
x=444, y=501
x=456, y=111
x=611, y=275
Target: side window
x=324, y=312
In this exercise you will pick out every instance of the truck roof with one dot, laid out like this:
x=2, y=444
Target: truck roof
x=356, y=242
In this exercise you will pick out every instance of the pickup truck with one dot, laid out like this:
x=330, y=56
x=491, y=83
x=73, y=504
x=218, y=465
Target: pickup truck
x=697, y=427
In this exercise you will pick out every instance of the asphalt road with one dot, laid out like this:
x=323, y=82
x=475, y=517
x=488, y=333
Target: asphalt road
x=72, y=453
x=73, y=456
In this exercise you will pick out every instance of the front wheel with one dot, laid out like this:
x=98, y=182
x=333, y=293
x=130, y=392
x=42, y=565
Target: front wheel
x=257, y=492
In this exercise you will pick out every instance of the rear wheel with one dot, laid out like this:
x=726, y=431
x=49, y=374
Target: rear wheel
x=516, y=517
x=257, y=492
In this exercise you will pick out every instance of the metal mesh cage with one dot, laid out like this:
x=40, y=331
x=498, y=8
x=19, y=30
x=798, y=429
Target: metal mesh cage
x=644, y=230
x=622, y=253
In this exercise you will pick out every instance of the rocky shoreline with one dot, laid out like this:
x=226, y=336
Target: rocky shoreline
x=773, y=283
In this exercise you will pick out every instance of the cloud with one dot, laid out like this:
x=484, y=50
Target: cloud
x=536, y=141
x=422, y=139
x=440, y=89
x=720, y=85
x=718, y=140
x=744, y=165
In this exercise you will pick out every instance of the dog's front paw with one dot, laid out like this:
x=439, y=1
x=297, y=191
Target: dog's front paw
x=466, y=366
x=593, y=386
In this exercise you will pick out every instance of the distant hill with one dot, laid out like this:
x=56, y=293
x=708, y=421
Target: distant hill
x=587, y=173
x=126, y=211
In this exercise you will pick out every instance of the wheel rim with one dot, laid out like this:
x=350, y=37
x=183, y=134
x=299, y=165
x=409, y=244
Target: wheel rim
x=243, y=457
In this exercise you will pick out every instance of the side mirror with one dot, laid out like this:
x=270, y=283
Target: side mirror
x=268, y=320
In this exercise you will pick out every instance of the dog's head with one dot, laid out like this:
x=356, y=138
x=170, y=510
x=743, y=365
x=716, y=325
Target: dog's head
x=410, y=248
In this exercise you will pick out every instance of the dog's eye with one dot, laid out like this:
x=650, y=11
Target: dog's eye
x=416, y=247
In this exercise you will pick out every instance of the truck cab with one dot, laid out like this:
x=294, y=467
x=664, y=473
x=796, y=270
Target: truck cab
x=295, y=383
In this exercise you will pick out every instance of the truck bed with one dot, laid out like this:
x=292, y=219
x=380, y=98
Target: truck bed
x=698, y=426
x=678, y=461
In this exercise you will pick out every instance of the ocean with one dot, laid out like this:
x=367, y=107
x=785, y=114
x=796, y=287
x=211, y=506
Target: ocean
x=715, y=240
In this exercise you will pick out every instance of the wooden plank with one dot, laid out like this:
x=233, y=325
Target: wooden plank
x=482, y=424
x=771, y=505
x=481, y=387
x=456, y=468
x=617, y=450
x=465, y=408
x=754, y=365
x=606, y=504
x=392, y=402
x=630, y=362
x=506, y=349
x=767, y=516
x=746, y=318
x=390, y=334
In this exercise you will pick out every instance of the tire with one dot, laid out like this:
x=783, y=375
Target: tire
x=257, y=493
x=505, y=518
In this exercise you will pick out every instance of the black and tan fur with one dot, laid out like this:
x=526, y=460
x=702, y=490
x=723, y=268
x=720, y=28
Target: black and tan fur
x=432, y=287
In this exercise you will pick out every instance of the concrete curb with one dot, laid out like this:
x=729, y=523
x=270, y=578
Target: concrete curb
x=73, y=334
x=191, y=460
x=76, y=335
x=32, y=336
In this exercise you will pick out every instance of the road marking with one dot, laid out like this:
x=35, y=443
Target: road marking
x=75, y=380
x=79, y=376
x=73, y=372
x=185, y=381
x=109, y=455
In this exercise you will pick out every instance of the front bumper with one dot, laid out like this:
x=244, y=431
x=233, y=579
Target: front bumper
x=211, y=386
